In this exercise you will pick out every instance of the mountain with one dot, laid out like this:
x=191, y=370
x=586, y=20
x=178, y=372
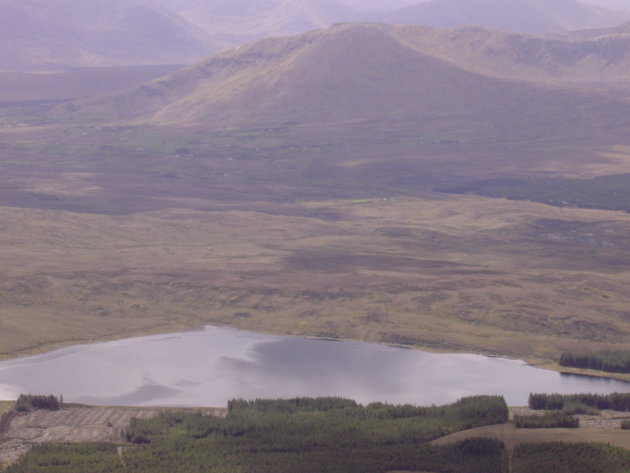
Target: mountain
x=611, y=4
x=377, y=76
x=243, y=20
x=587, y=58
x=377, y=5
x=45, y=34
x=525, y=16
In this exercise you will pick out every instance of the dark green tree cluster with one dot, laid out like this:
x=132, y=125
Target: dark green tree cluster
x=549, y=421
x=289, y=406
x=559, y=457
x=305, y=436
x=610, y=361
x=551, y=402
x=30, y=402
x=85, y=458
x=625, y=425
x=604, y=192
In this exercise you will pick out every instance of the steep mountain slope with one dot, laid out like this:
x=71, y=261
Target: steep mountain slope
x=526, y=16
x=360, y=73
x=42, y=34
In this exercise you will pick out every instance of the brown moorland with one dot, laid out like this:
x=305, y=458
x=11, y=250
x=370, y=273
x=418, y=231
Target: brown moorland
x=453, y=273
x=237, y=192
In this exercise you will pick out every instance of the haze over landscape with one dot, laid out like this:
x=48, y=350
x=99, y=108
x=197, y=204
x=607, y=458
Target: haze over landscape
x=445, y=175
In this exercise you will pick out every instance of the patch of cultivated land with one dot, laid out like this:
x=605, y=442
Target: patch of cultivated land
x=73, y=425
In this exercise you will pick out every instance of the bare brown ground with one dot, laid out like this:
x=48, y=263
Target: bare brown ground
x=74, y=425
x=603, y=428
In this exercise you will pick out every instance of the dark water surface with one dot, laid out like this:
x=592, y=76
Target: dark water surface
x=211, y=366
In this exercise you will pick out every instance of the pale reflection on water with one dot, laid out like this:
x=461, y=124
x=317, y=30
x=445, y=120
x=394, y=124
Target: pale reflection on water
x=211, y=366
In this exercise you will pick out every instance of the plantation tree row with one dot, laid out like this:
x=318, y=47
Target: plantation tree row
x=610, y=361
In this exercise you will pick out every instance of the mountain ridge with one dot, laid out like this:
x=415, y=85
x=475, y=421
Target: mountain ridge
x=523, y=16
x=347, y=72
x=96, y=34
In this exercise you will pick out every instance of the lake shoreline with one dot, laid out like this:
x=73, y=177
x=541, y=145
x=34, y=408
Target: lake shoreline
x=170, y=329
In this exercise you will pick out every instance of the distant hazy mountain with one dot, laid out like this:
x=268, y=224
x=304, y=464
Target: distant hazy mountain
x=378, y=75
x=243, y=20
x=54, y=34
x=526, y=16
x=41, y=34
x=611, y=4
x=377, y=5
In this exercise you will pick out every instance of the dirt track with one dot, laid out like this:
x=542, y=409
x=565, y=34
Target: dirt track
x=80, y=424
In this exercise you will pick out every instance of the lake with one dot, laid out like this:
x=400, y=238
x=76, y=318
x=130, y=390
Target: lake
x=210, y=366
